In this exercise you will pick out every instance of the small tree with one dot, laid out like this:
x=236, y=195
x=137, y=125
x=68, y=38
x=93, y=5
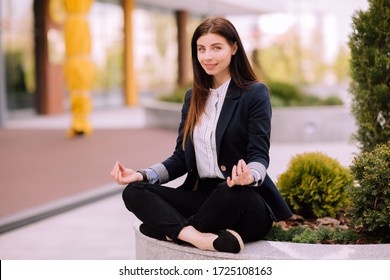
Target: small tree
x=370, y=200
x=370, y=68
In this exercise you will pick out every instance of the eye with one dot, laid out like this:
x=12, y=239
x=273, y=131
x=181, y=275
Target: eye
x=201, y=49
x=217, y=48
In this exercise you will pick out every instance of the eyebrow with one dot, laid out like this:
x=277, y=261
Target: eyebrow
x=199, y=45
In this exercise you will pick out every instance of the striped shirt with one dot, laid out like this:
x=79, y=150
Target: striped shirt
x=204, y=134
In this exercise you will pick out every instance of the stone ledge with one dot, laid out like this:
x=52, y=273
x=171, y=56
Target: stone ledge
x=152, y=249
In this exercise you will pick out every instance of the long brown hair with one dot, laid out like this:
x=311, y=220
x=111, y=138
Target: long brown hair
x=241, y=71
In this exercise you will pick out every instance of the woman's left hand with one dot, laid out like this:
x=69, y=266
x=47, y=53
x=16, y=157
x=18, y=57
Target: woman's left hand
x=241, y=175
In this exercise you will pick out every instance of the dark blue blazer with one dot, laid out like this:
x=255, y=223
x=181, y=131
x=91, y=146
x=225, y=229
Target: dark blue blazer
x=243, y=132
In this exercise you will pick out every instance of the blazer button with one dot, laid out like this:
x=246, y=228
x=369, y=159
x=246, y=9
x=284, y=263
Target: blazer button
x=223, y=168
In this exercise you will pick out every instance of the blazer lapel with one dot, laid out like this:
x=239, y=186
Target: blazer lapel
x=230, y=103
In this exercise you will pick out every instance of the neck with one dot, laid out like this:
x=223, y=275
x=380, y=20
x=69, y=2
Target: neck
x=218, y=81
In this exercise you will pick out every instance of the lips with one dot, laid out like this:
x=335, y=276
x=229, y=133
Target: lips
x=210, y=67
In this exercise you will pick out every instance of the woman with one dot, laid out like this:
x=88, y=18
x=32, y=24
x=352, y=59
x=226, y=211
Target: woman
x=222, y=144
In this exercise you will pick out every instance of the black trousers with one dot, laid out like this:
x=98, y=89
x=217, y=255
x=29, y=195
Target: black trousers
x=212, y=207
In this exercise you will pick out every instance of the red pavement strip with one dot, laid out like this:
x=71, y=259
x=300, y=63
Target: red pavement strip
x=42, y=166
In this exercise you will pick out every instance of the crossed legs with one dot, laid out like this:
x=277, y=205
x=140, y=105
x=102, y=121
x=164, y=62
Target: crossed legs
x=197, y=216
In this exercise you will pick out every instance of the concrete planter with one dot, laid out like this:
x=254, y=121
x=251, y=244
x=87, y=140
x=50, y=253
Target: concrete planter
x=162, y=114
x=152, y=249
x=312, y=124
x=293, y=124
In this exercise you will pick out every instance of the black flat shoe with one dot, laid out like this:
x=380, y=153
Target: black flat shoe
x=228, y=241
x=151, y=232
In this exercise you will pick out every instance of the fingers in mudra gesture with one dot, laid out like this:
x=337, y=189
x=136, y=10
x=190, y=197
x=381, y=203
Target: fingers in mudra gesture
x=241, y=175
x=123, y=175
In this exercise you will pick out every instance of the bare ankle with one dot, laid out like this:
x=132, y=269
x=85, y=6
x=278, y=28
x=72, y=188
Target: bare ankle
x=201, y=240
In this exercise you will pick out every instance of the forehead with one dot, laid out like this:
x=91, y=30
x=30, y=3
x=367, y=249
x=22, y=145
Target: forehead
x=210, y=39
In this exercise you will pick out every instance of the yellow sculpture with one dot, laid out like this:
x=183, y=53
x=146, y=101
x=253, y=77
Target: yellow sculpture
x=79, y=70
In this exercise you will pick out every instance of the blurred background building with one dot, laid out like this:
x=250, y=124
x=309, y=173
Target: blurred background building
x=141, y=48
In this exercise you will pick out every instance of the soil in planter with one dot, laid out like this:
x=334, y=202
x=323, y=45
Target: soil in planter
x=322, y=230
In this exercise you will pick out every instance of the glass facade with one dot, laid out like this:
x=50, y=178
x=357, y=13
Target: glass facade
x=154, y=46
x=17, y=39
x=155, y=53
x=106, y=24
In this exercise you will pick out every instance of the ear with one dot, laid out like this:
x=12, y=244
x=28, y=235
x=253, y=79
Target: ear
x=234, y=48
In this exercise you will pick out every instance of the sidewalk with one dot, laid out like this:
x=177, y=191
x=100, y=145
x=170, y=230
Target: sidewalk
x=75, y=172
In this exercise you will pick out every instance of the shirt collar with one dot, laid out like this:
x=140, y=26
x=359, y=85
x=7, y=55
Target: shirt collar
x=222, y=89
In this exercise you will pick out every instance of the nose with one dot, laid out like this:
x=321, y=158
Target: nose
x=207, y=55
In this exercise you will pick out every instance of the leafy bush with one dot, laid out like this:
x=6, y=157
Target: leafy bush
x=370, y=85
x=287, y=93
x=277, y=233
x=339, y=236
x=370, y=200
x=307, y=236
x=16, y=80
x=323, y=235
x=315, y=185
x=332, y=100
x=313, y=100
x=282, y=95
x=177, y=95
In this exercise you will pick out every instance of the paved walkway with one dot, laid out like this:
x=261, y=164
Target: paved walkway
x=66, y=181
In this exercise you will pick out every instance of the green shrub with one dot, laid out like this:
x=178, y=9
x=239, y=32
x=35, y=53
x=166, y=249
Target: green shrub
x=310, y=100
x=313, y=100
x=307, y=236
x=315, y=185
x=277, y=233
x=370, y=200
x=370, y=65
x=332, y=100
x=277, y=101
x=323, y=235
x=177, y=95
x=339, y=236
x=14, y=68
x=286, y=94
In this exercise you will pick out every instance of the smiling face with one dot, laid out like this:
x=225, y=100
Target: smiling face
x=214, y=55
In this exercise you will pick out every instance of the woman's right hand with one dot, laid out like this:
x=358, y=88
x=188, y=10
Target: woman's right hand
x=123, y=175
